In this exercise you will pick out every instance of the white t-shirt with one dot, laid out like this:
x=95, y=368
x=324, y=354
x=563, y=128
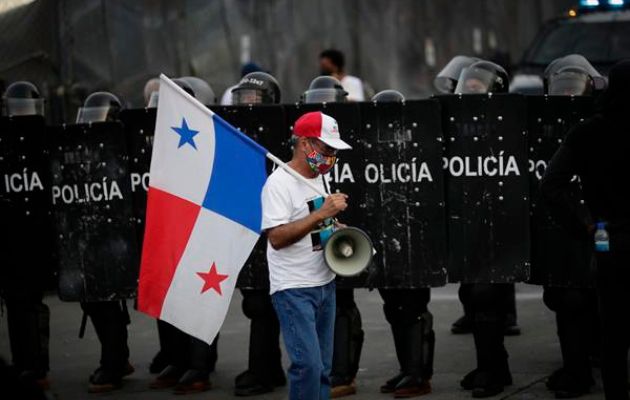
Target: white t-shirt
x=300, y=265
x=354, y=87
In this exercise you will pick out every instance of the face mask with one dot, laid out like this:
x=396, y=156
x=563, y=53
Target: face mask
x=319, y=163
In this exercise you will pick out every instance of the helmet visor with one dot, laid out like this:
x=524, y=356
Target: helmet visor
x=475, y=81
x=444, y=84
x=93, y=114
x=247, y=96
x=570, y=84
x=18, y=107
x=153, y=99
x=324, y=96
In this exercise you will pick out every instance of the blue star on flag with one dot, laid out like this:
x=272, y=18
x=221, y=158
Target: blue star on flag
x=186, y=134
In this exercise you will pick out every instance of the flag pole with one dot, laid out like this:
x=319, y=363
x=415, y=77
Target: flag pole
x=296, y=174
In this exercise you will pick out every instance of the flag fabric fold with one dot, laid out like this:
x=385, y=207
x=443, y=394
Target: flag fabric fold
x=203, y=214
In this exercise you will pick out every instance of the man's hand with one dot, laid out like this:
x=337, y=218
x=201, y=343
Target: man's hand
x=333, y=205
x=287, y=234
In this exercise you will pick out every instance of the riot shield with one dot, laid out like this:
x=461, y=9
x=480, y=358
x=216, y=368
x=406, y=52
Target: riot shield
x=403, y=174
x=267, y=125
x=92, y=210
x=558, y=258
x=487, y=188
x=394, y=181
x=139, y=126
x=26, y=236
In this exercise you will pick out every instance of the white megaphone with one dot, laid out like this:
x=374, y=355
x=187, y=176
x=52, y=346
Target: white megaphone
x=348, y=251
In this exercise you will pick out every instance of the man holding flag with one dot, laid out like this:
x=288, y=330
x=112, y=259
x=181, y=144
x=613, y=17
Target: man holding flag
x=298, y=218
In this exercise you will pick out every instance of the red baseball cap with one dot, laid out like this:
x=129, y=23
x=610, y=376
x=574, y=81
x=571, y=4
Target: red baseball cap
x=321, y=126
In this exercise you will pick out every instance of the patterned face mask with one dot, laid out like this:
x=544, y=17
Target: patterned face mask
x=319, y=163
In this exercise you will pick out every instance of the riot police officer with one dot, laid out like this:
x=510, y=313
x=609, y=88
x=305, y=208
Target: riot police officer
x=184, y=362
x=348, y=326
x=597, y=151
x=411, y=322
x=446, y=82
x=576, y=306
x=24, y=273
x=264, y=371
x=324, y=89
x=487, y=303
x=110, y=318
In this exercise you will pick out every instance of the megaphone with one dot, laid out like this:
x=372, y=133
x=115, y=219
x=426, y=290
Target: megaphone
x=348, y=251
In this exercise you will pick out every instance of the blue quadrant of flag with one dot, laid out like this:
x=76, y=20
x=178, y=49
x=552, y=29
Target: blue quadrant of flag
x=238, y=175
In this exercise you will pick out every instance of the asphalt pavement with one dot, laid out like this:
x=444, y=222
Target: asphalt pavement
x=533, y=355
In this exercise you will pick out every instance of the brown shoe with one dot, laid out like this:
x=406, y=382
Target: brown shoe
x=412, y=389
x=168, y=378
x=343, y=390
x=102, y=381
x=193, y=381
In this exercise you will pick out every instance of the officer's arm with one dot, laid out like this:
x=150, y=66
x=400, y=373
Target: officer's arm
x=556, y=190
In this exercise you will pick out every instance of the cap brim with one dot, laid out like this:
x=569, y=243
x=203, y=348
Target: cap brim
x=336, y=144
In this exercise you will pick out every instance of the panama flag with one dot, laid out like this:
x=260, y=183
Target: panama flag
x=203, y=214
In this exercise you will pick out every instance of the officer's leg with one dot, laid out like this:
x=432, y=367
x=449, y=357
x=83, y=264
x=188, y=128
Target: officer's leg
x=392, y=309
x=572, y=307
x=488, y=305
x=511, y=322
x=28, y=323
x=110, y=321
x=465, y=322
x=406, y=311
x=613, y=276
x=160, y=360
x=265, y=359
x=175, y=350
x=200, y=362
x=348, y=344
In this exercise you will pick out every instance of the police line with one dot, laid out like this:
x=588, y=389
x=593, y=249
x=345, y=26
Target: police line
x=440, y=185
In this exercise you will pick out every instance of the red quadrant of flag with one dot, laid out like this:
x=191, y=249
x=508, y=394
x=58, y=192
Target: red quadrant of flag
x=170, y=221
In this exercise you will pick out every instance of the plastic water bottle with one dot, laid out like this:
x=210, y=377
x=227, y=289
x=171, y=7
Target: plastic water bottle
x=602, y=242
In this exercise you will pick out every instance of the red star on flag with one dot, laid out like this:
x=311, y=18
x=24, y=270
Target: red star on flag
x=212, y=279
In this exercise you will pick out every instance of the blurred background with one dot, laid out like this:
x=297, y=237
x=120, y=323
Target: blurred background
x=70, y=48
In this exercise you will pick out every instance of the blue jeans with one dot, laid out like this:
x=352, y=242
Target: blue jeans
x=307, y=321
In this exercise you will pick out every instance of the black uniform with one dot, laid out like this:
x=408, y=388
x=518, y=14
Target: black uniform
x=411, y=323
x=348, y=339
x=110, y=320
x=264, y=370
x=597, y=151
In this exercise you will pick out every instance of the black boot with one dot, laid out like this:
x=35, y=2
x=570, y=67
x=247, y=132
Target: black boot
x=264, y=371
x=398, y=333
x=492, y=367
x=419, y=341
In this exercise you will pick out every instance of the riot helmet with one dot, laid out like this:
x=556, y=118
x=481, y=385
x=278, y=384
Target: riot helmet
x=201, y=90
x=22, y=98
x=256, y=88
x=388, y=96
x=99, y=107
x=151, y=91
x=324, y=89
x=572, y=75
x=446, y=81
x=482, y=77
